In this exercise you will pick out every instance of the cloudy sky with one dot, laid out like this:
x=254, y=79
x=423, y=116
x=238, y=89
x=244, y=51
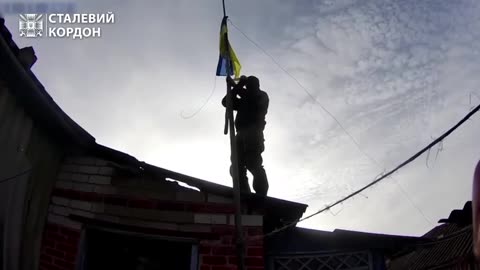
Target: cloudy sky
x=396, y=74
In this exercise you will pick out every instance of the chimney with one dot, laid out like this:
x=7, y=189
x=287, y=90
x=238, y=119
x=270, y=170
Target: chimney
x=27, y=57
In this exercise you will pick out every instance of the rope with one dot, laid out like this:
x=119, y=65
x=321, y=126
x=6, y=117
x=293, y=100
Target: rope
x=204, y=104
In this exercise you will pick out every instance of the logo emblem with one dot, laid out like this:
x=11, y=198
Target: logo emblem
x=31, y=25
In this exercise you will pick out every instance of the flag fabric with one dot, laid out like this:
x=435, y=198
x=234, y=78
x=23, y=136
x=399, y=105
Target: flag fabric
x=228, y=63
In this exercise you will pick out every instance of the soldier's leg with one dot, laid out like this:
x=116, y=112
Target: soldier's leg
x=254, y=163
x=260, y=182
x=242, y=169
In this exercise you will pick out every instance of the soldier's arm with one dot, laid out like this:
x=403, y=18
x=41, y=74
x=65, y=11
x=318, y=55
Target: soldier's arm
x=263, y=103
x=236, y=102
x=237, y=89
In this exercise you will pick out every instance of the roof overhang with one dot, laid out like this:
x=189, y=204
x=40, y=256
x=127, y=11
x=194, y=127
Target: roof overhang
x=42, y=108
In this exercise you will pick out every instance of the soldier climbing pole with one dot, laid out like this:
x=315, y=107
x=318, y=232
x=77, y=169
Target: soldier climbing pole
x=226, y=53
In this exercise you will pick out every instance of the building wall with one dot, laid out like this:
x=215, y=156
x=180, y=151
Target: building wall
x=94, y=192
x=30, y=159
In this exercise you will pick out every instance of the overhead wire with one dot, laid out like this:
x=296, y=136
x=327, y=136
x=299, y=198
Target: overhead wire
x=301, y=86
x=409, y=198
x=401, y=165
x=404, y=192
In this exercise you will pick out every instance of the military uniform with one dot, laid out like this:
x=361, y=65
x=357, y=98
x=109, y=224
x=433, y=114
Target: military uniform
x=251, y=107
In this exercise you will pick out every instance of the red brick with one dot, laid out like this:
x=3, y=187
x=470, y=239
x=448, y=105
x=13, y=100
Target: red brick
x=54, y=237
x=204, y=250
x=70, y=232
x=57, y=239
x=51, y=227
x=205, y=267
x=54, y=253
x=214, y=260
x=73, y=241
x=247, y=242
x=46, y=258
x=72, y=238
x=59, y=192
x=70, y=257
x=223, y=230
x=232, y=260
x=232, y=267
x=255, y=231
x=46, y=265
x=255, y=251
x=52, y=233
x=78, y=195
x=254, y=261
x=173, y=206
x=116, y=200
x=69, y=249
x=227, y=240
x=254, y=242
x=70, y=242
x=64, y=264
x=225, y=250
x=91, y=197
x=211, y=208
x=142, y=203
x=48, y=243
x=68, y=193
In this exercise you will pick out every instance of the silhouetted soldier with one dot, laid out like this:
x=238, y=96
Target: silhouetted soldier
x=251, y=107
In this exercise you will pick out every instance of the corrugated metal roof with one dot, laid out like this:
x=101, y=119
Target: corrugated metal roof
x=307, y=240
x=452, y=243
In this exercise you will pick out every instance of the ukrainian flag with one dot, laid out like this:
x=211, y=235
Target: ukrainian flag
x=227, y=59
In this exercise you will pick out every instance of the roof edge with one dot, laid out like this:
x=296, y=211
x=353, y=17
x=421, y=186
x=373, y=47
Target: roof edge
x=203, y=185
x=41, y=106
x=37, y=102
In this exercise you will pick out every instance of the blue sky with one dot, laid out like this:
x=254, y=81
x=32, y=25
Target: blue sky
x=395, y=73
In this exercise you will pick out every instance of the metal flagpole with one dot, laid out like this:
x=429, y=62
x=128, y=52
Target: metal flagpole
x=233, y=147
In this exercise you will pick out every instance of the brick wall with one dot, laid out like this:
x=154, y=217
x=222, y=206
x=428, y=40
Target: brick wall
x=221, y=254
x=94, y=189
x=59, y=248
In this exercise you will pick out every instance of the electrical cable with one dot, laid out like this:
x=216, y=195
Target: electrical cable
x=401, y=165
x=301, y=86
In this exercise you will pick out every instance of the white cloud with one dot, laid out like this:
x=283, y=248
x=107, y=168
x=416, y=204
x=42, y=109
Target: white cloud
x=394, y=73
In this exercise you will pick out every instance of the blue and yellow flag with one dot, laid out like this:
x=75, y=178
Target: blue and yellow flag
x=227, y=59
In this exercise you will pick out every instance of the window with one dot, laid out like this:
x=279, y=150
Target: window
x=113, y=250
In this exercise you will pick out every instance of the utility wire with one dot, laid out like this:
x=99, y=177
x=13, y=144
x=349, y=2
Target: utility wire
x=412, y=158
x=409, y=198
x=404, y=192
x=301, y=86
